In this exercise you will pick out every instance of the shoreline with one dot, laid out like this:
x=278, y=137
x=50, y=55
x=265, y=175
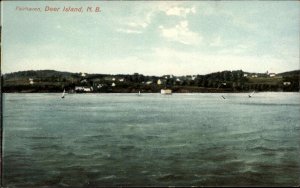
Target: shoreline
x=50, y=81
x=149, y=92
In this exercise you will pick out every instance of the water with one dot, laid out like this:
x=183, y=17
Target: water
x=151, y=140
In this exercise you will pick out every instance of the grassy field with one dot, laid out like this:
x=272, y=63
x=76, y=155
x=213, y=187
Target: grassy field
x=266, y=80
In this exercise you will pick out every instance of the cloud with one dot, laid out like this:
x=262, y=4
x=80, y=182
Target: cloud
x=132, y=27
x=245, y=47
x=181, y=33
x=137, y=24
x=180, y=11
x=236, y=19
x=170, y=61
x=241, y=22
x=129, y=31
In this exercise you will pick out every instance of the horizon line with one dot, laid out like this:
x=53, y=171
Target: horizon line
x=146, y=74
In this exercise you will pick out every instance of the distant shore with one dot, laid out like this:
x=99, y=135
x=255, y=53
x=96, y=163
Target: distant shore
x=245, y=92
x=50, y=81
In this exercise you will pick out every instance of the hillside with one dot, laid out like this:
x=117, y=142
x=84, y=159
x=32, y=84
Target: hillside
x=225, y=81
x=290, y=73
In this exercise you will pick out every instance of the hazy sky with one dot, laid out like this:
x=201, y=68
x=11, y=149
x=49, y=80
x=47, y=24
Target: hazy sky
x=152, y=38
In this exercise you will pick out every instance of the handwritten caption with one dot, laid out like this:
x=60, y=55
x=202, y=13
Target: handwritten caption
x=66, y=9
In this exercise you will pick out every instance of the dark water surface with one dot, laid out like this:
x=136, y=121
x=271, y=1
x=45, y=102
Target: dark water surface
x=151, y=140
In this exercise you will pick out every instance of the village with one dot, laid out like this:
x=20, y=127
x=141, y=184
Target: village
x=225, y=81
x=164, y=83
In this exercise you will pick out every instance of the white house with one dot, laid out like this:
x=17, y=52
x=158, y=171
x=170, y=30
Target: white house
x=159, y=82
x=89, y=89
x=286, y=83
x=113, y=84
x=149, y=82
x=31, y=81
x=82, y=88
x=272, y=74
x=166, y=91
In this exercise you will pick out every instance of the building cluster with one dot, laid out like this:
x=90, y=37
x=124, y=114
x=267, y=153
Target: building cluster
x=109, y=81
x=256, y=75
x=88, y=83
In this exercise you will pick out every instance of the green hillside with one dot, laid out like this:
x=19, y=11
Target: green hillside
x=225, y=81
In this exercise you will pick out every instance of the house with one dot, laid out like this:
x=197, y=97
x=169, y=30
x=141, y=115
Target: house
x=159, y=82
x=83, y=89
x=272, y=74
x=254, y=76
x=286, y=83
x=109, y=78
x=121, y=79
x=166, y=91
x=83, y=74
x=79, y=88
x=31, y=81
x=245, y=75
x=149, y=82
x=113, y=84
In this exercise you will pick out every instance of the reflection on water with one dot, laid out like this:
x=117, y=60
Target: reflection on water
x=125, y=140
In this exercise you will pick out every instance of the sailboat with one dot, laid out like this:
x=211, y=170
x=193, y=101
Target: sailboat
x=139, y=94
x=63, y=94
x=251, y=94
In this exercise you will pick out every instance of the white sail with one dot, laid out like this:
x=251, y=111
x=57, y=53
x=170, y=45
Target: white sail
x=251, y=94
x=63, y=94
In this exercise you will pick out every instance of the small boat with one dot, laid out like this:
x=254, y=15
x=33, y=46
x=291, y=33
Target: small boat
x=251, y=94
x=63, y=94
x=166, y=91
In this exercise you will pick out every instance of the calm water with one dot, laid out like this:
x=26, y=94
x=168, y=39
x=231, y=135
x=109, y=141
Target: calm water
x=129, y=140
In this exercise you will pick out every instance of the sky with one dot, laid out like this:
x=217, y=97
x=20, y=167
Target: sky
x=152, y=38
